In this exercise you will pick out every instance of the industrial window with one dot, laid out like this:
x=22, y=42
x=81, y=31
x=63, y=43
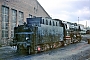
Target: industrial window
x=14, y=16
x=56, y=23
x=5, y=21
x=43, y=21
x=50, y=23
x=13, y=20
x=4, y=25
x=53, y=23
x=21, y=18
x=46, y=22
x=40, y=21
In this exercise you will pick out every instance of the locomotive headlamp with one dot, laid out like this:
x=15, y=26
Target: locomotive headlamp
x=74, y=35
x=27, y=38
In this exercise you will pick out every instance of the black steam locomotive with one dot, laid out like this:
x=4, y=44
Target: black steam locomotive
x=41, y=34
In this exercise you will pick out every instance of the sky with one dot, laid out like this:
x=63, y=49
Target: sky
x=68, y=10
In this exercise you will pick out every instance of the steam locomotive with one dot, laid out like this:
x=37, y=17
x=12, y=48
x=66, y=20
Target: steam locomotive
x=42, y=34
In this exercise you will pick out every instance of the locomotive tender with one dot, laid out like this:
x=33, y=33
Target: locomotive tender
x=41, y=34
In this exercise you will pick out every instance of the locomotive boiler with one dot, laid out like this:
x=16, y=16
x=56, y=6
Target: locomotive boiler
x=42, y=34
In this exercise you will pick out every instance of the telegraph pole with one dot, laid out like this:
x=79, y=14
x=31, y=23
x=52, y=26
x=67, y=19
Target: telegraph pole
x=86, y=24
x=78, y=20
x=78, y=25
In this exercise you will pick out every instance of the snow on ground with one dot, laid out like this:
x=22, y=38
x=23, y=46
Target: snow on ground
x=66, y=53
x=77, y=51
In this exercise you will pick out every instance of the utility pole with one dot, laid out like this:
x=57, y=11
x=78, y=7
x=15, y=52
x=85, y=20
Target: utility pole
x=78, y=20
x=78, y=25
x=86, y=24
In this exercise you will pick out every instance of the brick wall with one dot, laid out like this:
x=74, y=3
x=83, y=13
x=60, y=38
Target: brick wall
x=31, y=7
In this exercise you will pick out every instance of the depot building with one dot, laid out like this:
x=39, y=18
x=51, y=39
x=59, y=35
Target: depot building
x=14, y=13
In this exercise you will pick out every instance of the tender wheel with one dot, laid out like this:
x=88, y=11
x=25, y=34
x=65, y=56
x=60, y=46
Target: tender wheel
x=65, y=43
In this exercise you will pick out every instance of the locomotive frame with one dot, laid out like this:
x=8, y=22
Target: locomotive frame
x=42, y=34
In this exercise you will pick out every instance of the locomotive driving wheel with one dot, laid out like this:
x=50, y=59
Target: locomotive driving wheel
x=45, y=47
x=65, y=42
x=59, y=44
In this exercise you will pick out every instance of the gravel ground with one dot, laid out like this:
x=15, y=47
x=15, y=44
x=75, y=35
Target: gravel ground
x=7, y=52
x=77, y=51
